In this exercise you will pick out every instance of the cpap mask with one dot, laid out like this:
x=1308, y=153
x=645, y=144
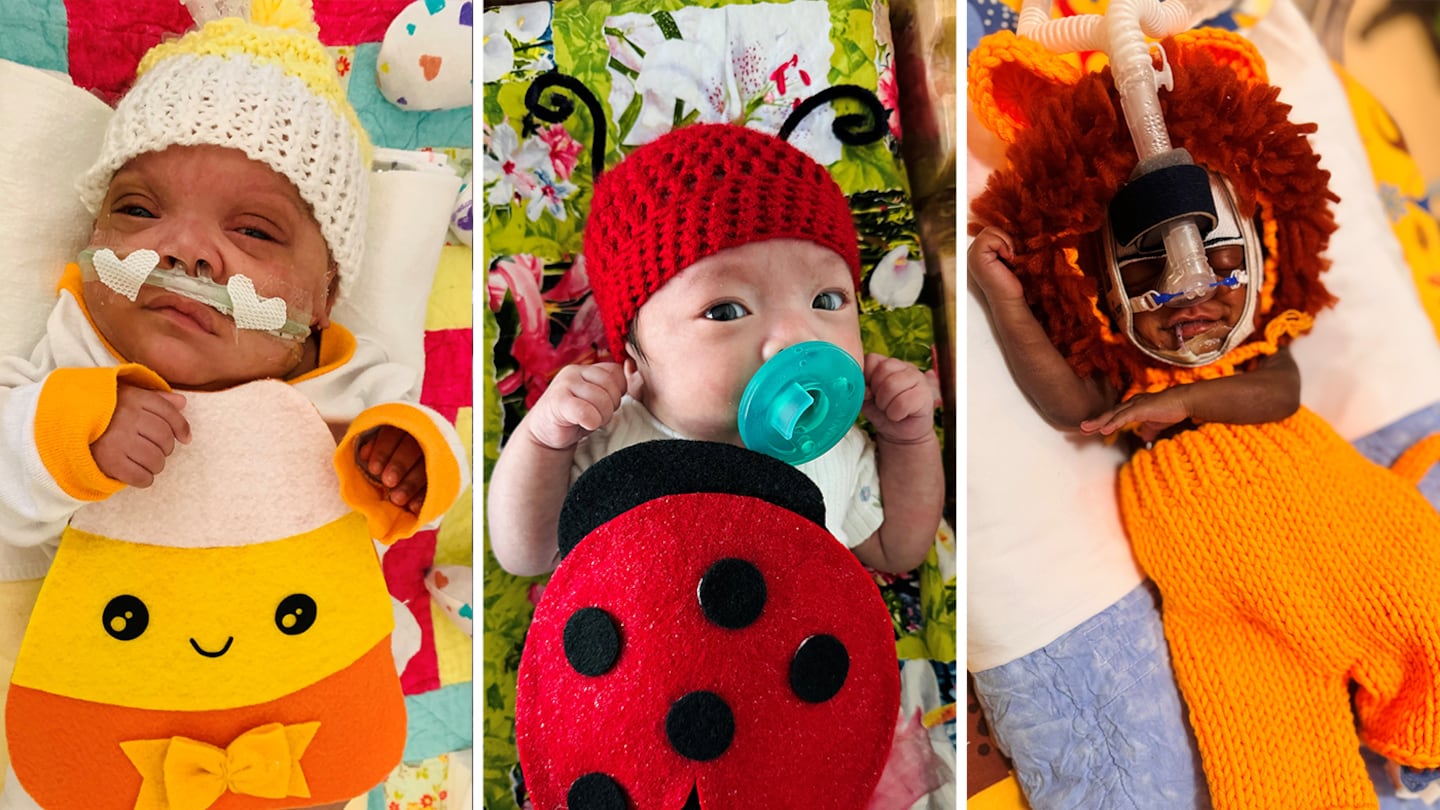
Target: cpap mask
x=236, y=298
x=1137, y=217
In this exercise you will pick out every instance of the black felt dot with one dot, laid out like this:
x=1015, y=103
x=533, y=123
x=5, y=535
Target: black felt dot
x=819, y=668
x=596, y=791
x=592, y=641
x=700, y=726
x=732, y=593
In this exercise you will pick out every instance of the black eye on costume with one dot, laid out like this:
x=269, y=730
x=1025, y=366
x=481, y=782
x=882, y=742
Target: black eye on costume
x=125, y=617
x=295, y=614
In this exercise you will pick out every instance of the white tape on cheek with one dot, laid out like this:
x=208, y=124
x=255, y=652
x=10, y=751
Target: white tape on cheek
x=125, y=276
x=250, y=310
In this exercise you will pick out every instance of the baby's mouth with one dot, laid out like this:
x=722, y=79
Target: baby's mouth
x=1198, y=335
x=195, y=315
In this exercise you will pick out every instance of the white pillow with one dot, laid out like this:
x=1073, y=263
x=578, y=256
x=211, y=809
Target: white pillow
x=52, y=131
x=1046, y=549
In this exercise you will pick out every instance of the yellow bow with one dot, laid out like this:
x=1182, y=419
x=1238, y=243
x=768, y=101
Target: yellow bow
x=184, y=774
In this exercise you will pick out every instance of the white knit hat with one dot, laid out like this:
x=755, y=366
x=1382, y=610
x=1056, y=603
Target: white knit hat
x=266, y=87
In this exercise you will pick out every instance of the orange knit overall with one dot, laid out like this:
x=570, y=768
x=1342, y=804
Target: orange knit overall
x=1289, y=565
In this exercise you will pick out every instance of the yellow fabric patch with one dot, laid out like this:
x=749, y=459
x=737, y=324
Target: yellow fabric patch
x=1402, y=188
x=464, y=425
x=17, y=599
x=454, y=540
x=453, y=649
x=450, y=299
x=1003, y=795
x=233, y=599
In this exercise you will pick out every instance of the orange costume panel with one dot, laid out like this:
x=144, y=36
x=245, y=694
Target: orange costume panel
x=1290, y=565
x=354, y=744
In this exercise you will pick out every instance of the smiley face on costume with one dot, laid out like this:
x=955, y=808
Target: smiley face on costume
x=233, y=626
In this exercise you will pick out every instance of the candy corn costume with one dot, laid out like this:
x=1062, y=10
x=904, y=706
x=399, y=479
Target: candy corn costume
x=1271, y=544
x=219, y=639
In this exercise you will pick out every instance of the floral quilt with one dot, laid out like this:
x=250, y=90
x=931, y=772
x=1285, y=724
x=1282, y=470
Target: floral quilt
x=655, y=66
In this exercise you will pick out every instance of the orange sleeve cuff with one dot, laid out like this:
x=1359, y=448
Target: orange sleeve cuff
x=388, y=522
x=74, y=409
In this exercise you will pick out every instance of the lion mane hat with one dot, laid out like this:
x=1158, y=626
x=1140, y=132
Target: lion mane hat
x=1068, y=152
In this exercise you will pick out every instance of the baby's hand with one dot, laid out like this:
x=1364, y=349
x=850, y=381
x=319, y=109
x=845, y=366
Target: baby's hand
x=898, y=400
x=1153, y=412
x=141, y=434
x=394, y=461
x=989, y=260
x=581, y=399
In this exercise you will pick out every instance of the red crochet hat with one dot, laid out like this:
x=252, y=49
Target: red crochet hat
x=694, y=192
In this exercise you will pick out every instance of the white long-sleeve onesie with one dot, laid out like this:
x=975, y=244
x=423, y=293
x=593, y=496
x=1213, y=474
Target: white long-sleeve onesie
x=60, y=399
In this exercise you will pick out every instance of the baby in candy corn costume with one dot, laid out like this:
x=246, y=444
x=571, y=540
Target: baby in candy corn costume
x=193, y=642
x=1266, y=533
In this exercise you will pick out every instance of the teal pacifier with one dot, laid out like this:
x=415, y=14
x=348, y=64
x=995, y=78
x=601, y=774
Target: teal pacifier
x=801, y=402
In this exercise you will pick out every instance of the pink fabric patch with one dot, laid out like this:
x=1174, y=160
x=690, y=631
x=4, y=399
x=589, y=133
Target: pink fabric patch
x=446, y=387
x=346, y=22
x=405, y=564
x=108, y=37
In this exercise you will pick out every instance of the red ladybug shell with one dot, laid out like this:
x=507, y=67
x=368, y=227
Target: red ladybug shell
x=608, y=740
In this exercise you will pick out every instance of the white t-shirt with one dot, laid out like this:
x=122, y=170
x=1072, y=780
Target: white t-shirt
x=845, y=474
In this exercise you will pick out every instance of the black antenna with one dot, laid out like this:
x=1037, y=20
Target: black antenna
x=563, y=107
x=855, y=129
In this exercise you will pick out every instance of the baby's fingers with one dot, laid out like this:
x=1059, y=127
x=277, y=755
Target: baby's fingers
x=375, y=454
x=402, y=462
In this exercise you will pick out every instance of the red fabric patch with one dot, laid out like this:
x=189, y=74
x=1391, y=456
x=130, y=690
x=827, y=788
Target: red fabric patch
x=108, y=37
x=405, y=564
x=642, y=568
x=345, y=22
x=360, y=740
x=449, y=356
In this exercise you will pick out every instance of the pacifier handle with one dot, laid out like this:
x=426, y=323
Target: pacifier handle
x=801, y=402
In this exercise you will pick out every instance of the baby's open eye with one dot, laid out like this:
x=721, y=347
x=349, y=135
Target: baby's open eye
x=830, y=300
x=727, y=311
x=134, y=211
x=255, y=233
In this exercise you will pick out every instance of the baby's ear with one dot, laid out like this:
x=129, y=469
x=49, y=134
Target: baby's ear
x=1010, y=75
x=634, y=382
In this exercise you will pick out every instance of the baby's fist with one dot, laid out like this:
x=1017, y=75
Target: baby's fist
x=142, y=433
x=580, y=400
x=393, y=460
x=898, y=400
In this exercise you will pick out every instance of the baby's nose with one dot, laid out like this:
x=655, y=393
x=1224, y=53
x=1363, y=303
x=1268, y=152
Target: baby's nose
x=786, y=333
x=192, y=251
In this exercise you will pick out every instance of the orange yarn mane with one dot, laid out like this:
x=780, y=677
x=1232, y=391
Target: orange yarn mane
x=1070, y=152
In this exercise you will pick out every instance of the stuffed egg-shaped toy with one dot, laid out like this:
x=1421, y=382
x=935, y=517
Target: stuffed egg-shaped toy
x=217, y=640
x=704, y=644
